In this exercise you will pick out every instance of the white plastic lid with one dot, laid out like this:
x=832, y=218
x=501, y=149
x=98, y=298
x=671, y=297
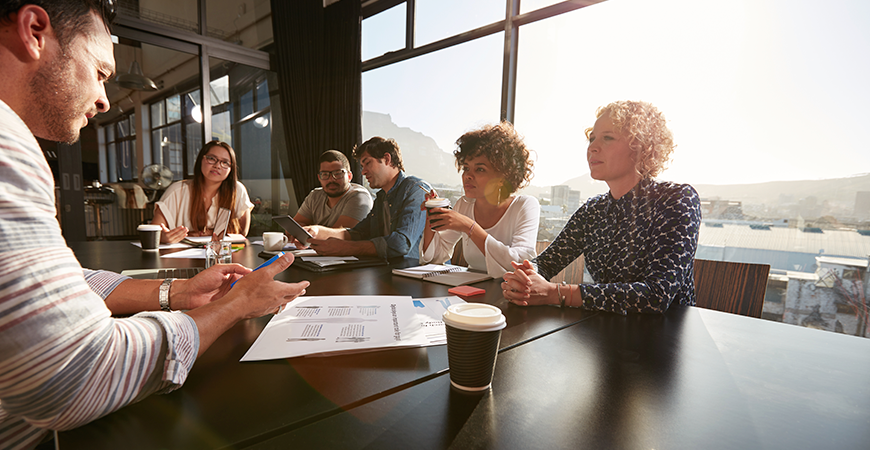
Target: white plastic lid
x=148, y=227
x=474, y=317
x=437, y=203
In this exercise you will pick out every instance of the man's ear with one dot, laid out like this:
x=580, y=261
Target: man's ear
x=34, y=30
x=388, y=160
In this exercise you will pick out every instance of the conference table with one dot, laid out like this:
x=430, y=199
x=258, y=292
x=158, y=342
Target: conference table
x=691, y=378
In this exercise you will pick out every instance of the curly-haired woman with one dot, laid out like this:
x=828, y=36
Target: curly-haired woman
x=639, y=239
x=496, y=226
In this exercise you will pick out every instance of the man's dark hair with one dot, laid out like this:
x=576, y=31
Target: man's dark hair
x=68, y=17
x=377, y=147
x=335, y=155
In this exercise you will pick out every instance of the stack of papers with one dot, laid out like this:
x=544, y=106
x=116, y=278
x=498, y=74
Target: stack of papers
x=443, y=274
x=324, y=261
x=322, y=326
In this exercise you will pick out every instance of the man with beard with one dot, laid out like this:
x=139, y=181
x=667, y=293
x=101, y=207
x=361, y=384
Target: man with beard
x=338, y=203
x=64, y=360
x=395, y=224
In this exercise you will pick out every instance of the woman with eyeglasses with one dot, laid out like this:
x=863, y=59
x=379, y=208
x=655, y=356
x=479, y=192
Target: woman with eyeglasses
x=495, y=226
x=190, y=207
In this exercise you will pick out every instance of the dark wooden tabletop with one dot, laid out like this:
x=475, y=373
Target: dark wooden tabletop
x=227, y=403
x=691, y=379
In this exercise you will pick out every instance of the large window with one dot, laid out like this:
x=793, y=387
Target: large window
x=169, y=47
x=426, y=103
x=120, y=141
x=764, y=98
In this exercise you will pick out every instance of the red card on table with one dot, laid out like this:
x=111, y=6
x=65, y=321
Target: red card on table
x=466, y=291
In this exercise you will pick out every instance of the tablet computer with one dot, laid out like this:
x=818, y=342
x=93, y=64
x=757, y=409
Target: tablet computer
x=293, y=227
x=221, y=225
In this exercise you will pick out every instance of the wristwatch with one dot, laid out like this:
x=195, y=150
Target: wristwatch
x=163, y=295
x=561, y=297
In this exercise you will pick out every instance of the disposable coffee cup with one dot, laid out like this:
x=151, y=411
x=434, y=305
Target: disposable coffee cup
x=473, y=334
x=437, y=203
x=149, y=235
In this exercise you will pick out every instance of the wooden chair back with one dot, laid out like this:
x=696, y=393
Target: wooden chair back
x=732, y=287
x=572, y=273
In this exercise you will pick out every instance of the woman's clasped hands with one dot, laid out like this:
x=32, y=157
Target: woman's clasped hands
x=525, y=287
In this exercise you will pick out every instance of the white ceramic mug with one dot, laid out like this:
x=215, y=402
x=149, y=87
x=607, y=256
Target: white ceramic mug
x=274, y=241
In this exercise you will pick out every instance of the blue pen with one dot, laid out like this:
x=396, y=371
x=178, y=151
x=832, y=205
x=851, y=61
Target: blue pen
x=269, y=261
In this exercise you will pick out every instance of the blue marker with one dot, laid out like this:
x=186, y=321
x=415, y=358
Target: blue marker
x=269, y=261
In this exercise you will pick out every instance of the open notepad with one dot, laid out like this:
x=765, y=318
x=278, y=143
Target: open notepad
x=444, y=274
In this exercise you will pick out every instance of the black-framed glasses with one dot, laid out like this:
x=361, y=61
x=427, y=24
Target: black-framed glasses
x=335, y=174
x=221, y=163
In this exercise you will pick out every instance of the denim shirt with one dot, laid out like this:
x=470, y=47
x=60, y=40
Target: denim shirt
x=396, y=230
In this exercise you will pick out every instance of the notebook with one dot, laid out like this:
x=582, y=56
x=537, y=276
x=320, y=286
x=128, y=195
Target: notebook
x=443, y=274
x=220, y=230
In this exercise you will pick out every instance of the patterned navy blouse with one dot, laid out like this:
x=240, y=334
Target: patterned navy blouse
x=640, y=249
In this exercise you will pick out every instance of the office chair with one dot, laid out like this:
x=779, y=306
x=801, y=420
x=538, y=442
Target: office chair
x=732, y=287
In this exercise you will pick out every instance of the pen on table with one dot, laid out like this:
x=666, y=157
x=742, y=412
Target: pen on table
x=269, y=261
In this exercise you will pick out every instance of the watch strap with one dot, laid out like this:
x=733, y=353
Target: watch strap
x=163, y=294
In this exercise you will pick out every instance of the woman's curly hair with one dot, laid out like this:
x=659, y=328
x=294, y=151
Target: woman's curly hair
x=505, y=150
x=647, y=132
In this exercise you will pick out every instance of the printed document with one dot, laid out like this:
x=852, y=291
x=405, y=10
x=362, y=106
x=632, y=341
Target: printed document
x=341, y=324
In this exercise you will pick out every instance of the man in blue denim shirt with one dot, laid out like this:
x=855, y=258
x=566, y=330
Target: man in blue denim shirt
x=395, y=224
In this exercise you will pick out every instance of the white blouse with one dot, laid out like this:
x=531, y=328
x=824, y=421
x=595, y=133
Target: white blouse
x=511, y=239
x=175, y=205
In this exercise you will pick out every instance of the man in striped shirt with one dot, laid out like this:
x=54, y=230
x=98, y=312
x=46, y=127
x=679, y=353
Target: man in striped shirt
x=64, y=361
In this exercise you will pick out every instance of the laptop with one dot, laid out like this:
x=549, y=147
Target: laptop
x=220, y=231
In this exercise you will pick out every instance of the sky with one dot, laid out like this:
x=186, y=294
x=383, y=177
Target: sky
x=754, y=90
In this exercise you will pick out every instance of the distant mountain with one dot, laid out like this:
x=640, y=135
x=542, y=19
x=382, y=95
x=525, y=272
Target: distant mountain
x=420, y=154
x=423, y=158
x=839, y=190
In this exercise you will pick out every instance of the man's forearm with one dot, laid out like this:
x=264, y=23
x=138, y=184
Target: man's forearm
x=135, y=296
x=360, y=248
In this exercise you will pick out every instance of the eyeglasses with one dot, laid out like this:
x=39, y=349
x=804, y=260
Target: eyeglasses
x=335, y=174
x=108, y=9
x=221, y=163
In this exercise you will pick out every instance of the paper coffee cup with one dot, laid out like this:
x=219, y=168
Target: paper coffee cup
x=473, y=335
x=149, y=236
x=437, y=202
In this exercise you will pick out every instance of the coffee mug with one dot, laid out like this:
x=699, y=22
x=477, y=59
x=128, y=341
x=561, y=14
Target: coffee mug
x=274, y=241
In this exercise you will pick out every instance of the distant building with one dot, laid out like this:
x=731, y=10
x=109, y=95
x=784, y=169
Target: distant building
x=559, y=195
x=786, y=249
x=862, y=205
x=565, y=197
x=721, y=209
x=834, y=298
x=573, y=201
x=551, y=211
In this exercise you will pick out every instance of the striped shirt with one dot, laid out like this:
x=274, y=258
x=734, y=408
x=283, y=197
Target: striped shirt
x=64, y=361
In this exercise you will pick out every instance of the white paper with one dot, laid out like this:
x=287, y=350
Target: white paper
x=163, y=246
x=206, y=239
x=340, y=324
x=192, y=253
